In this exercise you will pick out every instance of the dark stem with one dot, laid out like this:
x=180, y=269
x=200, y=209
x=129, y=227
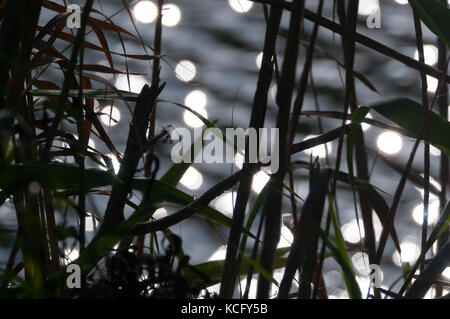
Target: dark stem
x=272, y=204
x=133, y=152
x=364, y=40
x=426, y=196
x=429, y=275
x=256, y=121
x=442, y=102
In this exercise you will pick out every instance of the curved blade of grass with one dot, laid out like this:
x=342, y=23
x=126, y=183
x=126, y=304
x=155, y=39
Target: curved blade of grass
x=89, y=45
x=408, y=114
x=358, y=117
x=381, y=208
x=253, y=213
x=349, y=276
x=53, y=175
x=340, y=254
x=64, y=176
x=129, y=96
x=436, y=16
x=176, y=171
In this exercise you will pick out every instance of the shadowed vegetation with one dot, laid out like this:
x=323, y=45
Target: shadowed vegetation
x=49, y=170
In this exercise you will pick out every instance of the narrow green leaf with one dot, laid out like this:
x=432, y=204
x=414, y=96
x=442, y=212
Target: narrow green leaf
x=63, y=176
x=357, y=118
x=253, y=213
x=164, y=192
x=409, y=115
x=436, y=16
x=259, y=269
x=176, y=171
x=340, y=254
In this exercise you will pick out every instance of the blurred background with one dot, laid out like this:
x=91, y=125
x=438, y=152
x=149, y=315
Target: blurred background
x=212, y=54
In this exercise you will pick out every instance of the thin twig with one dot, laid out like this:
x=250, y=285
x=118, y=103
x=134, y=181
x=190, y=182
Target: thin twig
x=224, y=185
x=133, y=152
x=190, y=209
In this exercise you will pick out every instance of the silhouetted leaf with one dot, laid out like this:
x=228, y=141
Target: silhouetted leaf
x=436, y=16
